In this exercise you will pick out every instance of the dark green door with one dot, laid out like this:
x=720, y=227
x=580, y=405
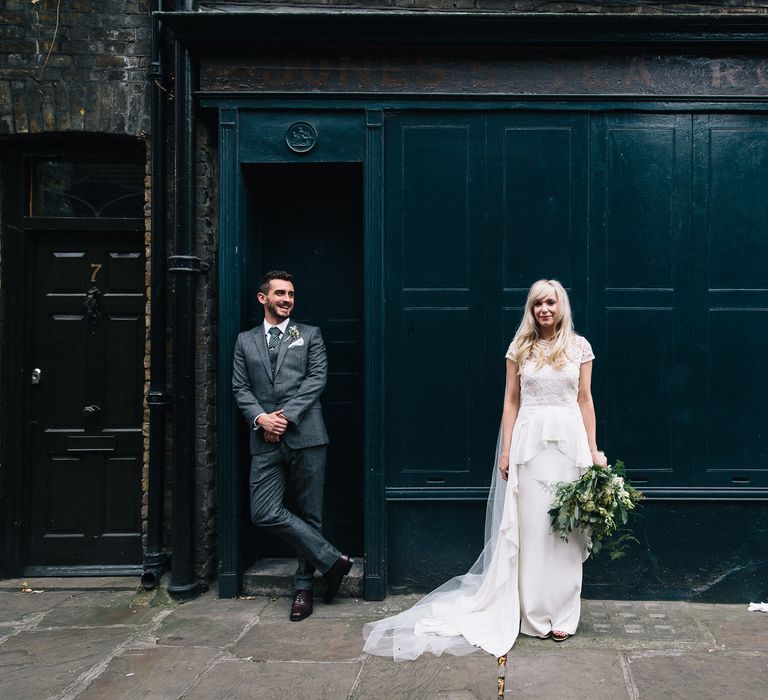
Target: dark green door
x=678, y=256
x=641, y=308
x=308, y=219
x=439, y=402
x=729, y=300
x=86, y=383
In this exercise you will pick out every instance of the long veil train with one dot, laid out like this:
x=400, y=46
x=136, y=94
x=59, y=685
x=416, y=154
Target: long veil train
x=479, y=609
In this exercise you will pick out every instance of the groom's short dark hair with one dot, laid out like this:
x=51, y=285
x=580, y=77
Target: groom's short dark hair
x=274, y=275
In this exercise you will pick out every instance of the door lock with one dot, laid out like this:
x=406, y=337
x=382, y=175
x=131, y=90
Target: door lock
x=36, y=373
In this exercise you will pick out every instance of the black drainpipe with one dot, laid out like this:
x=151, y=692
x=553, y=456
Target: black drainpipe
x=185, y=267
x=157, y=398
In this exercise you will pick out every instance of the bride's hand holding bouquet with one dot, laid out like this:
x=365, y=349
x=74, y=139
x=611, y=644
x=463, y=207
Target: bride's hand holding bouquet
x=598, y=503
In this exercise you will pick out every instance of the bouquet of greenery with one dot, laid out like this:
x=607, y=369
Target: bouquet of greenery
x=598, y=503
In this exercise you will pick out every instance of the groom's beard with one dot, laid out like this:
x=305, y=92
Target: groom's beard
x=278, y=311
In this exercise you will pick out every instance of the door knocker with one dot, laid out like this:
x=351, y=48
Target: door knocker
x=92, y=310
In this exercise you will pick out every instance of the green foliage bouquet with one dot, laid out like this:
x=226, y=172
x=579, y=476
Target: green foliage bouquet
x=598, y=503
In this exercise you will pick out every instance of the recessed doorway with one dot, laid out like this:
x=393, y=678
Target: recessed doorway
x=308, y=219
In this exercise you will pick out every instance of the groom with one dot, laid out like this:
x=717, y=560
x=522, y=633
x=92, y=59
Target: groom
x=280, y=369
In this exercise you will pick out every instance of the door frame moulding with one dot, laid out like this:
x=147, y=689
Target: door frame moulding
x=12, y=457
x=231, y=285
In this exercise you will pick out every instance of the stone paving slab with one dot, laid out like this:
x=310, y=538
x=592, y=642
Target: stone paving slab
x=209, y=621
x=243, y=680
x=84, y=599
x=733, y=627
x=162, y=673
x=37, y=664
x=471, y=676
x=14, y=607
x=313, y=639
x=97, y=616
x=564, y=673
x=702, y=675
x=556, y=673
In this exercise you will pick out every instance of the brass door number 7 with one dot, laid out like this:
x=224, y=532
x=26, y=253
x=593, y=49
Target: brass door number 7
x=96, y=267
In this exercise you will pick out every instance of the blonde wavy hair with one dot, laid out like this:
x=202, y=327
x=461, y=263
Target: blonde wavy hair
x=524, y=344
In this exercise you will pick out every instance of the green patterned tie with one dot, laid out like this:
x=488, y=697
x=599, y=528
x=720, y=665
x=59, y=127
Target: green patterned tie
x=274, y=337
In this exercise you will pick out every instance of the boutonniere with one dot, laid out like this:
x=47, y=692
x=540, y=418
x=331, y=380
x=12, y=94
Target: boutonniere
x=294, y=337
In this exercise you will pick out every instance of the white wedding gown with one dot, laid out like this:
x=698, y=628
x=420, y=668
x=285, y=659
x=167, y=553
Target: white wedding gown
x=526, y=579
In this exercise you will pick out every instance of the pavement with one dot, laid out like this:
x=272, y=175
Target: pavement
x=101, y=638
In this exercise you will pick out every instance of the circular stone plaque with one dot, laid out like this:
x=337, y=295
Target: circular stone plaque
x=301, y=137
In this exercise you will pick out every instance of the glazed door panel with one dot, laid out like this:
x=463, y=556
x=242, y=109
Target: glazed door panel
x=87, y=379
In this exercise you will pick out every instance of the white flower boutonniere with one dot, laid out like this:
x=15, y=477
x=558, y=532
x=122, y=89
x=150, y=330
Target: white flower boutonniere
x=294, y=337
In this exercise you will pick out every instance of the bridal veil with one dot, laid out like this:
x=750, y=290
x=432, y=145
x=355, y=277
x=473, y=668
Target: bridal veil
x=480, y=609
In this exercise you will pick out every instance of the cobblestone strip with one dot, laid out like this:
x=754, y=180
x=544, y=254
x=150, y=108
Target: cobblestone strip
x=79, y=685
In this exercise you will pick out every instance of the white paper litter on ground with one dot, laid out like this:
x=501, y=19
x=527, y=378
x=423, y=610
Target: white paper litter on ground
x=759, y=607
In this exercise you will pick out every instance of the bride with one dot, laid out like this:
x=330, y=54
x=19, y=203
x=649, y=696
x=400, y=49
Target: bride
x=526, y=579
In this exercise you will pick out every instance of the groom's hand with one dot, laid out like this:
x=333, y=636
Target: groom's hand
x=274, y=422
x=271, y=437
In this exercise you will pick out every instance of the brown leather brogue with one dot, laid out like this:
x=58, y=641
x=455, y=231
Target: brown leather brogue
x=335, y=575
x=302, y=605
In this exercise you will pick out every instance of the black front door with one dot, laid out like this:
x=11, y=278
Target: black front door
x=85, y=364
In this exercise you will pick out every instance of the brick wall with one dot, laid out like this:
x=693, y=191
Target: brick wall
x=74, y=65
x=206, y=370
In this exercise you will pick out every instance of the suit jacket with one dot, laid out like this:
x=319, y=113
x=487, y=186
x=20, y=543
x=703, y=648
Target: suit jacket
x=299, y=379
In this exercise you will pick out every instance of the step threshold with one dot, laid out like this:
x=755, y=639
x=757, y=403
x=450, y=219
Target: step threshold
x=274, y=577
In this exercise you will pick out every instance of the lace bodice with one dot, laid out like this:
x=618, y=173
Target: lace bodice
x=552, y=386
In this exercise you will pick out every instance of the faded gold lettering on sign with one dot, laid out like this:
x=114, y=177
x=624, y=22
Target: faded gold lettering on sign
x=95, y=267
x=726, y=72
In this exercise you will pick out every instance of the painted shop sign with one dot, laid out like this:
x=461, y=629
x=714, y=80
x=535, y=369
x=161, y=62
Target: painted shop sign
x=489, y=73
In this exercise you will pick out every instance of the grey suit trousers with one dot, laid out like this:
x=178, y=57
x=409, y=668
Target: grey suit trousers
x=303, y=472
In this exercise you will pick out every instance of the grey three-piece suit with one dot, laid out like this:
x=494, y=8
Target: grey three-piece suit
x=290, y=377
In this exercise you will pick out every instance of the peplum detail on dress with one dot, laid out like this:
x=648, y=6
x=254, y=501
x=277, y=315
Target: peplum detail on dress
x=537, y=425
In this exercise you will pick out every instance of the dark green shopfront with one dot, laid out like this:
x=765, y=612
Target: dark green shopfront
x=417, y=174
